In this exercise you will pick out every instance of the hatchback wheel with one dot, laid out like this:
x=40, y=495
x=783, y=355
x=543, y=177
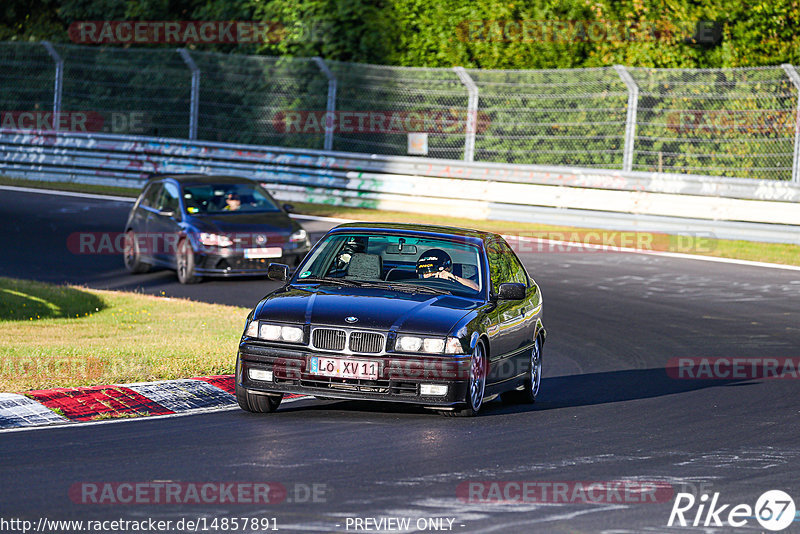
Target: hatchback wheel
x=185, y=263
x=132, y=255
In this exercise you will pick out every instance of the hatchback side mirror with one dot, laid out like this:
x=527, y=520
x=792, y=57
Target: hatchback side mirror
x=288, y=208
x=278, y=272
x=511, y=291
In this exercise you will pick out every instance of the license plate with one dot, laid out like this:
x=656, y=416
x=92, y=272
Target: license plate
x=341, y=368
x=257, y=253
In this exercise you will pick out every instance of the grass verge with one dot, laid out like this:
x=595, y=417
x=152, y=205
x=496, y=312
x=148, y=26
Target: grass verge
x=58, y=336
x=782, y=253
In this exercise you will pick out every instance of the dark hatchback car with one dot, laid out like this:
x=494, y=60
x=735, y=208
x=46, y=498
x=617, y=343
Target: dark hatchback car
x=203, y=225
x=440, y=317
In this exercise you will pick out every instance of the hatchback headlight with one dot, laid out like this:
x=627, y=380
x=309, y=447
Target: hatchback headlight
x=215, y=240
x=298, y=236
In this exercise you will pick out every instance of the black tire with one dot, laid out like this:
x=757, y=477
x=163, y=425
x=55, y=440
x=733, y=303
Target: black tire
x=254, y=403
x=131, y=255
x=477, y=385
x=533, y=381
x=184, y=263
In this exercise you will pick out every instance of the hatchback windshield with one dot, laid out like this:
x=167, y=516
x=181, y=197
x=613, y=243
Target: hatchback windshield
x=227, y=198
x=405, y=263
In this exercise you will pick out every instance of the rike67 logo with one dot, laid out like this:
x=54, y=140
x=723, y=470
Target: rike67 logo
x=774, y=510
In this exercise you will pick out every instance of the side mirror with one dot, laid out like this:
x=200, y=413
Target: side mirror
x=278, y=272
x=288, y=208
x=511, y=291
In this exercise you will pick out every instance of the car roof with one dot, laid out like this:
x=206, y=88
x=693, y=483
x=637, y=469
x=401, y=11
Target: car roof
x=202, y=179
x=429, y=230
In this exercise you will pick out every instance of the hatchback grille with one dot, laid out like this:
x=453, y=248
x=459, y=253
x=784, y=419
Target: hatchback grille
x=367, y=342
x=329, y=339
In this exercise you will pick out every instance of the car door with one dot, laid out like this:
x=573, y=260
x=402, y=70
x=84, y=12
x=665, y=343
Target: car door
x=163, y=223
x=141, y=219
x=524, y=325
x=505, y=329
x=137, y=220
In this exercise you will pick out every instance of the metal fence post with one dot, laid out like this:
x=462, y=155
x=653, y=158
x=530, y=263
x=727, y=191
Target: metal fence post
x=59, y=82
x=792, y=73
x=194, y=102
x=472, y=112
x=630, y=119
x=330, y=108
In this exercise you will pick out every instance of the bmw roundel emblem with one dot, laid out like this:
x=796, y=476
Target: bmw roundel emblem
x=351, y=319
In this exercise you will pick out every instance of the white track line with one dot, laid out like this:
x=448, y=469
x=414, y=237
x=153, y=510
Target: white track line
x=67, y=193
x=676, y=255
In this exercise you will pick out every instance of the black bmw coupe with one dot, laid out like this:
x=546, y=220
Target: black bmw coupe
x=210, y=226
x=440, y=317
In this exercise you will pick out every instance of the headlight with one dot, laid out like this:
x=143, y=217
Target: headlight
x=453, y=346
x=275, y=332
x=409, y=343
x=431, y=345
x=215, y=240
x=300, y=235
x=252, y=329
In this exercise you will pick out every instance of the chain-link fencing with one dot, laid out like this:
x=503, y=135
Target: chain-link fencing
x=709, y=122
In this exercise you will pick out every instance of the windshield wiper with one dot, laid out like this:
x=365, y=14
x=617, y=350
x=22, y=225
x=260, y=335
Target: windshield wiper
x=325, y=280
x=400, y=286
x=397, y=286
x=418, y=288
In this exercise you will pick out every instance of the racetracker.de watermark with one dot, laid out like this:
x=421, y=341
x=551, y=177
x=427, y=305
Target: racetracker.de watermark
x=165, y=242
x=750, y=122
x=733, y=368
x=140, y=32
x=184, y=493
x=72, y=121
x=581, y=31
x=447, y=121
x=565, y=492
x=76, y=121
x=610, y=241
x=538, y=242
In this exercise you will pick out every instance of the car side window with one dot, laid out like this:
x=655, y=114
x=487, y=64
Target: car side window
x=168, y=200
x=499, y=265
x=504, y=265
x=150, y=196
x=518, y=272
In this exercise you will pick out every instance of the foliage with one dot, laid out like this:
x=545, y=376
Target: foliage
x=658, y=33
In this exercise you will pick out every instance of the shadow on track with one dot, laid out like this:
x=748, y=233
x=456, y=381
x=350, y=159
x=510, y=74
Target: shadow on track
x=557, y=393
x=617, y=386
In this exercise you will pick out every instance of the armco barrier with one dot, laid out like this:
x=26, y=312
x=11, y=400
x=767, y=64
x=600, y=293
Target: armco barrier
x=473, y=190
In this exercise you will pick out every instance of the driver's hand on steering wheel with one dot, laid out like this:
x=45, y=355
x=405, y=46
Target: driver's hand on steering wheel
x=447, y=275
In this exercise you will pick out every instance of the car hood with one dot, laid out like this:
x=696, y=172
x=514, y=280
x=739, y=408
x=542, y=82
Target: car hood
x=270, y=222
x=375, y=309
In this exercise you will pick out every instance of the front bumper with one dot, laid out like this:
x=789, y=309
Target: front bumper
x=399, y=376
x=233, y=263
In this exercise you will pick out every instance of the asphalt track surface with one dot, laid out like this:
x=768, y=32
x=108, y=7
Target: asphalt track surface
x=607, y=409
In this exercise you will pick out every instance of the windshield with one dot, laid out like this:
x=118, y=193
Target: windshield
x=404, y=263
x=227, y=198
